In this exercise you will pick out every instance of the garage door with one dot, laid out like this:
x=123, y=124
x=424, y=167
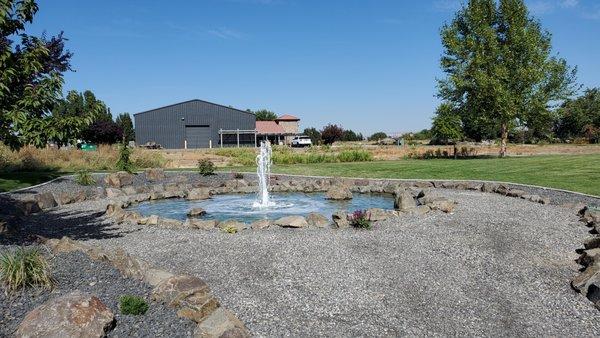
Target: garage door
x=197, y=136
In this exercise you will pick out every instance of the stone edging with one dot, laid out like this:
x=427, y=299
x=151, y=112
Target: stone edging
x=588, y=281
x=189, y=295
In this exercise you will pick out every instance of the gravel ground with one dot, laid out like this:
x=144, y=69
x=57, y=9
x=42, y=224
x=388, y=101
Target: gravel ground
x=498, y=266
x=75, y=271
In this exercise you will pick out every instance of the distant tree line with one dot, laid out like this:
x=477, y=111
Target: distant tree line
x=332, y=133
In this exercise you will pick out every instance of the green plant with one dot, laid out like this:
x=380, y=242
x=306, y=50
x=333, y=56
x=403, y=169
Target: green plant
x=361, y=219
x=84, y=177
x=132, y=305
x=24, y=267
x=230, y=230
x=124, y=163
x=206, y=167
x=237, y=176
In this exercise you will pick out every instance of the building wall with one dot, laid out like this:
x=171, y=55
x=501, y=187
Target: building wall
x=167, y=125
x=290, y=127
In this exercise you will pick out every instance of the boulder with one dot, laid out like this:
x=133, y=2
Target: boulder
x=404, y=201
x=118, y=179
x=317, y=220
x=589, y=276
x=75, y=314
x=221, y=323
x=377, y=214
x=202, y=224
x=489, y=187
x=501, y=189
x=536, y=199
x=338, y=192
x=591, y=242
x=154, y=174
x=189, y=295
x=516, y=193
x=591, y=216
x=195, y=212
x=442, y=204
x=168, y=223
x=28, y=207
x=114, y=192
x=198, y=194
x=67, y=197
x=292, y=222
x=128, y=265
x=421, y=209
x=340, y=219
x=152, y=220
x=155, y=277
x=129, y=190
x=261, y=224
x=239, y=226
x=45, y=200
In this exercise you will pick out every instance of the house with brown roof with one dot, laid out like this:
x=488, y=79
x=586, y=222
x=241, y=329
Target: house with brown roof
x=280, y=131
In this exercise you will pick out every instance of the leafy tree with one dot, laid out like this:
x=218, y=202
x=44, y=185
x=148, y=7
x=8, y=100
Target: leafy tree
x=31, y=79
x=80, y=106
x=124, y=162
x=378, y=136
x=103, y=132
x=580, y=117
x=125, y=123
x=314, y=134
x=331, y=133
x=351, y=136
x=499, y=68
x=265, y=115
x=447, y=125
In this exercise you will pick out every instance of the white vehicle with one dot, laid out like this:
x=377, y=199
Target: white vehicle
x=301, y=141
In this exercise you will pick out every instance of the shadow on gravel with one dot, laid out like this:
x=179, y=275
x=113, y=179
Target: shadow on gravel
x=22, y=230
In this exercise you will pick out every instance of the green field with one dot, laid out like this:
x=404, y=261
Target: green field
x=570, y=172
x=17, y=180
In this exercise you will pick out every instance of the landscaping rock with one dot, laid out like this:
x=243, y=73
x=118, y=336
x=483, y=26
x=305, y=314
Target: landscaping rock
x=340, y=219
x=516, y=193
x=489, y=187
x=292, y=222
x=208, y=224
x=338, y=192
x=221, y=323
x=404, y=201
x=582, y=281
x=170, y=223
x=127, y=264
x=118, y=179
x=421, y=209
x=591, y=217
x=152, y=220
x=129, y=190
x=114, y=192
x=154, y=174
x=198, y=194
x=317, y=220
x=67, y=197
x=75, y=314
x=28, y=207
x=591, y=242
x=155, y=277
x=195, y=212
x=45, y=200
x=261, y=224
x=536, y=199
x=376, y=214
x=442, y=204
x=190, y=295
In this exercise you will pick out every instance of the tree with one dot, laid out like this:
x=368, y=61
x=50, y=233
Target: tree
x=103, y=132
x=499, y=68
x=83, y=106
x=265, y=115
x=447, y=126
x=331, y=133
x=31, y=79
x=125, y=123
x=378, y=136
x=314, y=134
x=580, y=117
x=351, y=136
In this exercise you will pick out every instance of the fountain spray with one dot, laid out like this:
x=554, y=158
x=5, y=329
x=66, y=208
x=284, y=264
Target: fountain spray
x=263, y=171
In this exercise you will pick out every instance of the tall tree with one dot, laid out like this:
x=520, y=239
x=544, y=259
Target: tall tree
x=124, y=121
x=314, y=134
x=82, y=106
x=265, y=115
x=581, y=117
x=500, y=68
x=331, y=133
x=31, y=79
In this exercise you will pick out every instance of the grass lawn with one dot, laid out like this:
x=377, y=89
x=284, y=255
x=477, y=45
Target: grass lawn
x=571, y=172
x=16, y=180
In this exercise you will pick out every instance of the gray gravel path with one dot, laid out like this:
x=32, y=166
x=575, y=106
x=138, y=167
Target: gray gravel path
x=498, y=266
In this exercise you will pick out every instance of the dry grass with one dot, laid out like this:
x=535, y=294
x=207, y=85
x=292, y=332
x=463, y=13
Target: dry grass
x=70, y=160
x=24, y=268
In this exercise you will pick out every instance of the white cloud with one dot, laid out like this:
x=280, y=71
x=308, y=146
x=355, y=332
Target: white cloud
x=225, y=33
x=569, y=3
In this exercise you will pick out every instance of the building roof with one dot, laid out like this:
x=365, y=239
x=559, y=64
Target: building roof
x=287, y=117
x=194, y=100
x=269, y=127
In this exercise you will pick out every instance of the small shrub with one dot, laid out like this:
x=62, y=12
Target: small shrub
x=237, y=176
x=361, y=219
x=124, y=163
x=132, y=305
x=23, y=268
x=206, y=167
x=230, y=230
x=84, y=177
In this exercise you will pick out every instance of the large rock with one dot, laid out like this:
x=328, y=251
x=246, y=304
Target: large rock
x=198, y=194
x=261, y=224
x=229, y=224
x=376, y=214
x=28, y=207
x=114, y=193
x=119, y=179
x=154, y=174
x=338, y=192
x=75, y=314
x=68, y=197
x=190, y=295
x=442, y=204
x=128, y=265
x=292, y=222
x=317, y=220
x=340, y=219
x=591, y=216
x=221, y=323
x=155, y=277
x=536, y=199
x=404, y=201
x=195, y=212
x=202, y=224
x=46, y=200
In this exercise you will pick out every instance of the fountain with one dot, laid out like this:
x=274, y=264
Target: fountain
x=263, y=171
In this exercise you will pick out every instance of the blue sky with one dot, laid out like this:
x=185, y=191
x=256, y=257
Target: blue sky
x=368, y=65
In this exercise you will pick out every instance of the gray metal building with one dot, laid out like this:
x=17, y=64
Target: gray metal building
x=192, y=124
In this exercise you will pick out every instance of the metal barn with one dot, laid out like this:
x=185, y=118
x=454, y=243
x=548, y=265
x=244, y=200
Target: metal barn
x=193, y=124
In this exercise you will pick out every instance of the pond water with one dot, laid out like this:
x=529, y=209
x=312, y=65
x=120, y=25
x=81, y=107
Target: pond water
x=240, y=207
